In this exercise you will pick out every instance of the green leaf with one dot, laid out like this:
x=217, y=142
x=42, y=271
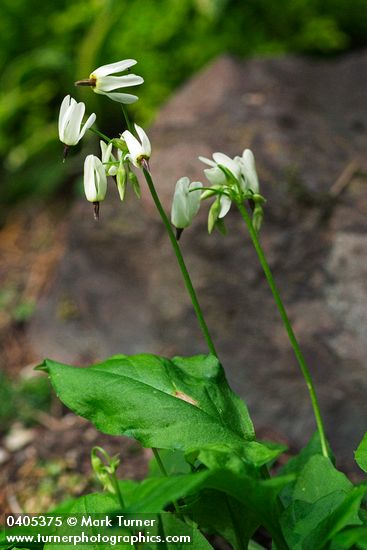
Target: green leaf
x=88, y=506
x=238, y=459
x=257, y=496
x=347, y=513
x=296, y=464
x=180, y=404
x=323, y=502
x=260, y=498
x=153, y=494
x=170, y=525
x=218, y=513
x=355, y=537
x=255, y=546
x=174, y=463
x=319, y=478
x=361, y=454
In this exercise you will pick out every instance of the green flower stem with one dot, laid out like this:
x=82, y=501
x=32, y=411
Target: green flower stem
x=237, y=532
x=293, y=340
x=98, y=133
x=181, y=263
x=176, y=248
x=116, y=486
x=165, y=474
x=129, y=124
x=159, y=461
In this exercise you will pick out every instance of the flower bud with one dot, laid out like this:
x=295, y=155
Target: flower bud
x=135, y=183
x=257, y=217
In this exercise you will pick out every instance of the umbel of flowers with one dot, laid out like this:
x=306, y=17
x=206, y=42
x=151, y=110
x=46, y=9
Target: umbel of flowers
x=229, y=180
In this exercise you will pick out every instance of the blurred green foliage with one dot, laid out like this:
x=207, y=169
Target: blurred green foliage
x=22, y=400
x=45, y=46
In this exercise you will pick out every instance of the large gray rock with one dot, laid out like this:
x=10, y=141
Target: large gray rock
x=118, y=288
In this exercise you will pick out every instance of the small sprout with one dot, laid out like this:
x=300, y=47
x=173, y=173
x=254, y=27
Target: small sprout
x=105, y=469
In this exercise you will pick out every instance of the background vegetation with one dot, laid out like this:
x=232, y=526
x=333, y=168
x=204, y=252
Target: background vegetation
x=45, y=46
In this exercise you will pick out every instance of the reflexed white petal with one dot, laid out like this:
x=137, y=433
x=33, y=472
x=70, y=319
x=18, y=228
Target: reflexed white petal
x=225, y=205
x=64, y=107
x=108, y=83
x=90, y=121
x=89, y=181
x=113, y=68
x=105, y=150
x=101, y=179
x=95, y=181
x=207, y=161
x=179, y=211
x=215, y=175
x=194, y=198
x=185, y=205
x=146, y=147
x=227, y=162
x=72, y=129
x=65, y=121
x=134, y=146
x=127, y=99
x=249, y=170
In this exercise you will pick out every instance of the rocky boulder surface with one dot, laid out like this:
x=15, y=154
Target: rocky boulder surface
x=118, y=288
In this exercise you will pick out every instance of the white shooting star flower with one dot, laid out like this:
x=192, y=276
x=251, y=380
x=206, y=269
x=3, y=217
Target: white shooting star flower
x=186, y=202
x=102, y=83
x=70, y=120
x=139, y=151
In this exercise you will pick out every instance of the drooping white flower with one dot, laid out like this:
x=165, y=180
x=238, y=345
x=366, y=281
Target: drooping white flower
x=139, y=151
x=102, y=83
x=70, y=119
x=249, y=179
x=95, y=179
x=215, y=175
x=186, y=202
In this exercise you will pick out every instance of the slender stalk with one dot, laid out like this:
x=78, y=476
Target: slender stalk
x=181, y=263
x=127, y=119
x=118, y=490
x=159, y=461
x=98, y=133
x=165, y=474
x=237, y=533
x=293, y=340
